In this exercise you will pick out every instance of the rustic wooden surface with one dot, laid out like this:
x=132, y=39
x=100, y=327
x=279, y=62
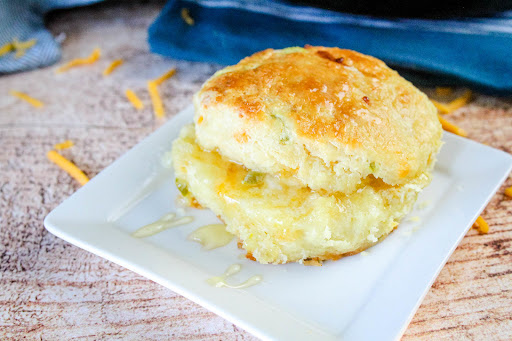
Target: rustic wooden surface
x=52, y=290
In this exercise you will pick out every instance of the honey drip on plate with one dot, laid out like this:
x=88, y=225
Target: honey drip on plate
x=220, y=281
x=211, y=236
x=165, y=222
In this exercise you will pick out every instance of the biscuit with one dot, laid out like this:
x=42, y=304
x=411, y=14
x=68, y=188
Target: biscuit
x=326, y=116
x=277, y=223
x=307, y=153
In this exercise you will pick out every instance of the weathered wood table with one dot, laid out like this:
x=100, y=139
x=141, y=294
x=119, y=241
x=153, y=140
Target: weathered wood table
x=51, y=290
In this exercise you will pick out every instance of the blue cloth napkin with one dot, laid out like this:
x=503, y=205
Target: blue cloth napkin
x=467, y=51
x=24, y=20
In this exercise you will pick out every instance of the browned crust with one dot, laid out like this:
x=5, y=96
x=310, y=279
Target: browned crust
x=331, y=94
x=291, y=78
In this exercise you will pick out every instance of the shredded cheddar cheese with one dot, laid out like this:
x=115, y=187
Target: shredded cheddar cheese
x=158, y=106
x=441, y=107
x=508, y=191
x=164, y=77
x=93, y=57
x=134, y=99
x=461, y=101
x=22, y=46
x=443, y=91
x=30, y=100
x=481, y=225
x=185, y=15
x=19, y=46
x=452, y=128
x=447, y=108
x=114, y=65
x=64, y=145
x=5, y=48
x=68, y=166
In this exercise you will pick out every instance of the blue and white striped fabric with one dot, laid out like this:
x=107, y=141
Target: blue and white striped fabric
x=24, y=20
x=466, y=51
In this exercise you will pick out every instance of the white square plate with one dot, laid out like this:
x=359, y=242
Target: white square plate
x=362, y=297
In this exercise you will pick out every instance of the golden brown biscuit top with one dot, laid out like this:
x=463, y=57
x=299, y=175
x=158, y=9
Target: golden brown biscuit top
x=336, y=96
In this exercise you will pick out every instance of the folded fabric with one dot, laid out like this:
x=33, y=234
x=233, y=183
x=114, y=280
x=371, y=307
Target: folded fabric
x=468, y=51
x=23, y=21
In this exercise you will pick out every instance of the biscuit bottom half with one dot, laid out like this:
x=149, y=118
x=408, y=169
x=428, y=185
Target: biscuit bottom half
x=279, y=223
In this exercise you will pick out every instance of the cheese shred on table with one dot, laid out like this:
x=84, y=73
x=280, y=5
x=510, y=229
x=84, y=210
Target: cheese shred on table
x=93, y=57
x=64, y=145
x=508, y=191
x=447, y=108
x=19, y=46
x=22, y=46
x=443, y=91
x=158, y=106
x=452, y=128
x=68, y=166
x=185, y=15
x=30, y=100
x=134, y=99
x=481, y=225
x=5, y=48
x=164, y=77
x=114, y=65
x=441, y=107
